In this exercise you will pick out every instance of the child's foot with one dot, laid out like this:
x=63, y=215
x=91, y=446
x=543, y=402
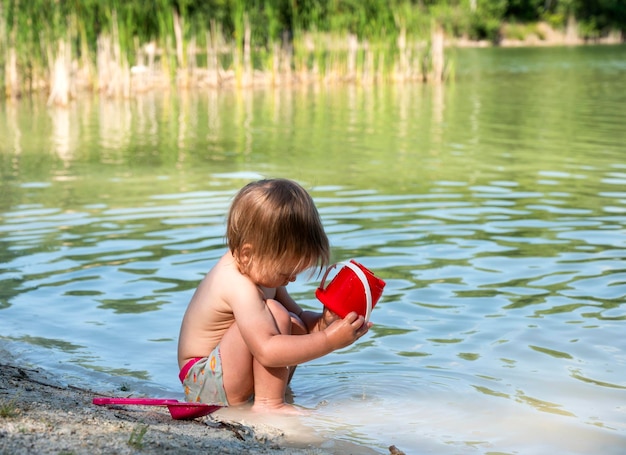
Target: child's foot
x=267, y=406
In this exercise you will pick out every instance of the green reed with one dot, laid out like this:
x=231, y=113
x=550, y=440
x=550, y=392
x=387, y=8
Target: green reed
x=119, y=47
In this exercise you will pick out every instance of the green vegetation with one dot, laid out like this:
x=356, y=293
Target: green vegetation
x=135, y=439
x=118, y=47
x=8, y=409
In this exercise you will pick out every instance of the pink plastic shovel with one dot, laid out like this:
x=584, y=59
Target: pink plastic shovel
x=179, y=410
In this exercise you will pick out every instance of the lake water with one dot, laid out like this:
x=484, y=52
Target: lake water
x=494, y=207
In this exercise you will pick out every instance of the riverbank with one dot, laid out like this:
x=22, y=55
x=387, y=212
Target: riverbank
x=40, y=415
x=311, y=58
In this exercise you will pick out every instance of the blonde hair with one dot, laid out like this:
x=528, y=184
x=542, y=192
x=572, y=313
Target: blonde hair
x=279, y=220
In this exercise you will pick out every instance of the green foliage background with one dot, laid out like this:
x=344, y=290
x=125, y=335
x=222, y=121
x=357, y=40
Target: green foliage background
x=31, y=29
x=271, y=19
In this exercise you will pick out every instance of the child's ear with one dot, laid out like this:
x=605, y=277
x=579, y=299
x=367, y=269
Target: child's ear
x=245, y=255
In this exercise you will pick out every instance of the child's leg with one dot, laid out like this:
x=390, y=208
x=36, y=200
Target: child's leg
x=270, y=384
x=244, y=376
x=236, y=367
x=298, y=327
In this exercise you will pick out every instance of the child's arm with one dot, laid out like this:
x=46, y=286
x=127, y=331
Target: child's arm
x=273, y=349
x=310, y=319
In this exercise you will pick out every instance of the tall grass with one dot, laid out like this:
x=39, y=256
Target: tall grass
x=122, y=47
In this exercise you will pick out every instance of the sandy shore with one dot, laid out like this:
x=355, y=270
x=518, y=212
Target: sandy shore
x=40, y=415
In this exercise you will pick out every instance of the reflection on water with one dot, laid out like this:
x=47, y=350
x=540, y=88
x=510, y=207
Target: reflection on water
x=494, y=209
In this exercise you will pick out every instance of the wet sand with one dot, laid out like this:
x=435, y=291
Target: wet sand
x=38, y=414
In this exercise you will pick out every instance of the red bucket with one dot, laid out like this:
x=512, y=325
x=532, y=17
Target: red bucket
x=354, y=288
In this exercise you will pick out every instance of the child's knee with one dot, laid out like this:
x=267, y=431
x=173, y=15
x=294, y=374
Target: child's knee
x=281, y=316
x=298, y=327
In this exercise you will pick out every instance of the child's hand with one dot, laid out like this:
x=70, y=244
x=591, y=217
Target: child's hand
x=318, y=322
x=344, y=332
x=327, y=318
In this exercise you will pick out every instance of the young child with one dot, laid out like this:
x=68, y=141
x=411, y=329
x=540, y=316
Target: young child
x=242, y=334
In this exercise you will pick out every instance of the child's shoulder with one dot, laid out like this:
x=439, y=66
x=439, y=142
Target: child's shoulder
x=226, y=275
x=226, y=269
